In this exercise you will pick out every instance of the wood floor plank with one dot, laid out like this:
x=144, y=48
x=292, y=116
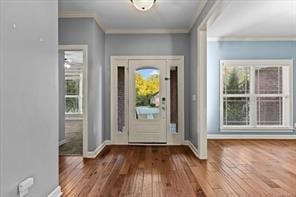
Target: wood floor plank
x=234, y=168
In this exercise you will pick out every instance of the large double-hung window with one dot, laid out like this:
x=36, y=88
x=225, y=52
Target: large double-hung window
x=255, y=94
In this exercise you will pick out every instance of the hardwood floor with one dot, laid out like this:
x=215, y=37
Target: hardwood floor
x=234, y=168
x=249, y=168
x=131, y=171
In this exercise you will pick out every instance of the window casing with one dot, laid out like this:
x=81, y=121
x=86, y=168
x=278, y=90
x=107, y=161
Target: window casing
x=256, y=94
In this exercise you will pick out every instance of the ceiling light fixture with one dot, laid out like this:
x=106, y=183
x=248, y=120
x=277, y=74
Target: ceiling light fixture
x=143, y=5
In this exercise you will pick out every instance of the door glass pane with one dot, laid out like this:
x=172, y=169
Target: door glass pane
x=236, y=80
x=121, y=98
x=269, y=111
x=147, y=87
x=236, y=111
x=268, y=80
x=174, y=99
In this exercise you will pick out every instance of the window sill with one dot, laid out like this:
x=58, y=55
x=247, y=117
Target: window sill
x=257, y=130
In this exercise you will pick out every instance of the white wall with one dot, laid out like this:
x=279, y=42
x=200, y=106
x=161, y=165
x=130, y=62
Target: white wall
x=28, y=95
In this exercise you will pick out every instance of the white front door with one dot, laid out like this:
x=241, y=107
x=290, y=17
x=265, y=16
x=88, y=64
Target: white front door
x=147, y=101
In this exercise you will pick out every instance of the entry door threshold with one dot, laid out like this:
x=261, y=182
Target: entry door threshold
x=148, y=143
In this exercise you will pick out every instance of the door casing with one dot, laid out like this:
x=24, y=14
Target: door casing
x=123, y=61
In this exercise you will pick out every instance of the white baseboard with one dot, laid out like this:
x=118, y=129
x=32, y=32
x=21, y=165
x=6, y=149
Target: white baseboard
x=146, y=144
x=62, y=142
x=192, y=148
x=96, y=152
x=107, y=142
x=251, y=136
x=57, y=192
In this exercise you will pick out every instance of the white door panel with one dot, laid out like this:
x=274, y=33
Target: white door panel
x=147, y=101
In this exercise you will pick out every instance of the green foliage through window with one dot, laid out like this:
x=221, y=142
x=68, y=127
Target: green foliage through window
x=236, y=82
x=72, y=95
x=146, y=88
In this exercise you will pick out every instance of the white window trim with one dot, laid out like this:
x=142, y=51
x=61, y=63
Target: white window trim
x=79, y=96
x=252, y=127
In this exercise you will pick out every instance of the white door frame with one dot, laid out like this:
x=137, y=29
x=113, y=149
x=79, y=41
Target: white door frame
x=123, y=61
x=201, y=59
x=84, y=48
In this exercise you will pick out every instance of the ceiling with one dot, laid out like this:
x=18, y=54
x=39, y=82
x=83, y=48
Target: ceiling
x=257, y=19
x=74, y=57
x=119, y=16
x=73, y=62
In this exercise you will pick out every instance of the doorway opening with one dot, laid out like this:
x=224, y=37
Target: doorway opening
x=147, y=100
x=73, y=111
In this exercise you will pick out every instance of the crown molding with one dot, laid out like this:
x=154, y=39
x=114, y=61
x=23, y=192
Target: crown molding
x=254, y=38
x=198, y=12
x=78, y=14
x=147, y=31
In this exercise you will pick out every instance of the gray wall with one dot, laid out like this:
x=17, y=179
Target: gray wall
x=145, y=45
x=28, y=96
x=85, y=31
x=193, y=71
x=240, y=50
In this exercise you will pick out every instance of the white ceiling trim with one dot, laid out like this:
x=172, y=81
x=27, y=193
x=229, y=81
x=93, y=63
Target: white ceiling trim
x=198, y=12
x=254, y=38
x=93, y=15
